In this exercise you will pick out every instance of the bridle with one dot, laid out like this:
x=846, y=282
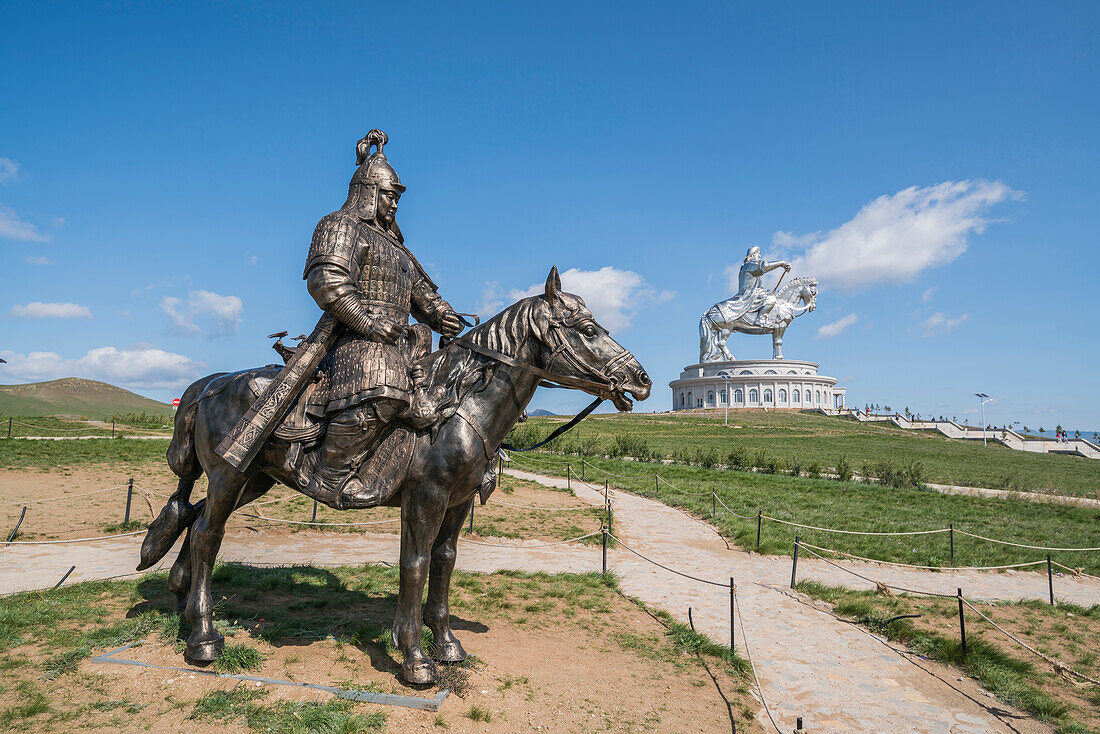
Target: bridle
x=603, y=387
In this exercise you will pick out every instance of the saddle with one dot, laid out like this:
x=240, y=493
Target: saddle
x=385, y=464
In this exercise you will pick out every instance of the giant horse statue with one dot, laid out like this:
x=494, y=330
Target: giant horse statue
x=718, y=322
x=480, y=383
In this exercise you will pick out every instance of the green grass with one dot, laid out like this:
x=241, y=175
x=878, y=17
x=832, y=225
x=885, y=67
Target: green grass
x=478, y=713
x=238, y=658
x=865, y=507
x=1013, y=679
x=808, y=437
x=284, y=717
x=49, y=426
x=23, y=453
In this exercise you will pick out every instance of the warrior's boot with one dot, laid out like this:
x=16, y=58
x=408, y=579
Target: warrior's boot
x=335, y=481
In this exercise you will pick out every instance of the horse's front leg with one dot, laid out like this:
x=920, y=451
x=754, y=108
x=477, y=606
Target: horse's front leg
x=777, y=343
x=421, y=515
x=437, y=613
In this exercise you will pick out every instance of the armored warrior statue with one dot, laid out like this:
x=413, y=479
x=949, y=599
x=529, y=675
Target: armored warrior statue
x=752, y=296
x=755, y=310
x=360, y=272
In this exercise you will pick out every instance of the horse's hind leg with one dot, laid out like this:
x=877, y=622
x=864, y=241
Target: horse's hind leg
x=226, y=485
x=436, y=612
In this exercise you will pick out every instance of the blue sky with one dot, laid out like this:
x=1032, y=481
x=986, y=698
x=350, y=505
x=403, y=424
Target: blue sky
x=162, y=167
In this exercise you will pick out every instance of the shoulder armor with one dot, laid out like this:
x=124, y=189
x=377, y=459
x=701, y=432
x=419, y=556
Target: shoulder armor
x=333, y=241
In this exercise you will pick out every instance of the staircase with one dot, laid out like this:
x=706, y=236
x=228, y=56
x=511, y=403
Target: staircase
x=951, y=429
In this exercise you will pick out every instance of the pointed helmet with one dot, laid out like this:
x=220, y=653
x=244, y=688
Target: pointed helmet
x=374, y=173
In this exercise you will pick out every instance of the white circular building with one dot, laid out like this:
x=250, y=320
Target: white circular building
x=755, y=383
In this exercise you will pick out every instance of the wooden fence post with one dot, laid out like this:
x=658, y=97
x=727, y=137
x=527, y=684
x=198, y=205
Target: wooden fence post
x=1050, y=580
x=732, y=611
x=794, y=564
x=129, y=497
x=962, y=623
x=604, y=530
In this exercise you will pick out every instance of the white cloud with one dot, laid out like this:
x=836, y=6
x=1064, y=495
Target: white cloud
x=896, y=237
x=9, y=170
x=31, y=260
x=137, y=368
x=927, y=295
x=203, y=313
x=612, y=295
x=492, y=300
x=13, y=228
x=940, y=322
x=39, y=310
x=828, y=331
x=58, y=222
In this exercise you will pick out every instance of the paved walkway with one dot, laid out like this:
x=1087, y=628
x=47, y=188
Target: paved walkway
x=835, y=675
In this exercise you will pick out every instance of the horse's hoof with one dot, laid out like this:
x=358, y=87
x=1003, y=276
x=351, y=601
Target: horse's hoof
x=423, y=673
x=450, y=652
x=204, y=652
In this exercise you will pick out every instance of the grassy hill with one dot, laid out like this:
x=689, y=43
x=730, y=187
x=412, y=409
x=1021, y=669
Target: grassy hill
x=77, y=397
x=806, y=437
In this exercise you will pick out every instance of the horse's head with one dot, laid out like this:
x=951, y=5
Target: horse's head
x=574, y=346
x=809, y=294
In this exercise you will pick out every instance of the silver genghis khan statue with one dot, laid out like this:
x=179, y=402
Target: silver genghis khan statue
x=755, y=309
x=371, y=284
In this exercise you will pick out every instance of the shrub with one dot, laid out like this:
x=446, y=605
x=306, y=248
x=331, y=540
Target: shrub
x=913, y=475
x=772, y=465
x=760, y=459
x=844, y=470
x=708, y=459
x=629, y=445
x=814, y=469
x=524, y=435
x=738, y=458
x=796, y=468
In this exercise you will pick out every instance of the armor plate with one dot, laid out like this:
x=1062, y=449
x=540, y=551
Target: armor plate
x=384, y=275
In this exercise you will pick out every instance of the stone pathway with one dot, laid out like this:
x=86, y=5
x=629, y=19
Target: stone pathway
x=836, y=676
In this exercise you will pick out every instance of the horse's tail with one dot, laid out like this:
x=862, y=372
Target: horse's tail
x=178, y=513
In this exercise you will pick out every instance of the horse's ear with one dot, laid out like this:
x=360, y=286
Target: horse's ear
x=553, y=286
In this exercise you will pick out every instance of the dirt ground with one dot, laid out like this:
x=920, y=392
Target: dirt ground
x=70, y=502
x=555, y=653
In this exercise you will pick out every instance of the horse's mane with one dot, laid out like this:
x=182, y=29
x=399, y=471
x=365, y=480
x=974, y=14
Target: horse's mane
x=454, y=372
x=795, y=284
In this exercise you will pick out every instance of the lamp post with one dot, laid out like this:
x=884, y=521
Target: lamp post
x=728, y=397
x=983, y=399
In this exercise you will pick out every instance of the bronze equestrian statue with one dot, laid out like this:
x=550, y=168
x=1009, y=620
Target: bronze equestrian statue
x=362, y=414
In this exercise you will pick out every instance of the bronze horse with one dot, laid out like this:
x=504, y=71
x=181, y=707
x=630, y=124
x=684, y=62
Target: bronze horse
x=552, y=333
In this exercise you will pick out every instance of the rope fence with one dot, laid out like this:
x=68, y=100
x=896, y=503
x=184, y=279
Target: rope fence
x=760, y=516
x=1059, y=667
x=72, y=540
x=736, y=612
x=804, y=544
